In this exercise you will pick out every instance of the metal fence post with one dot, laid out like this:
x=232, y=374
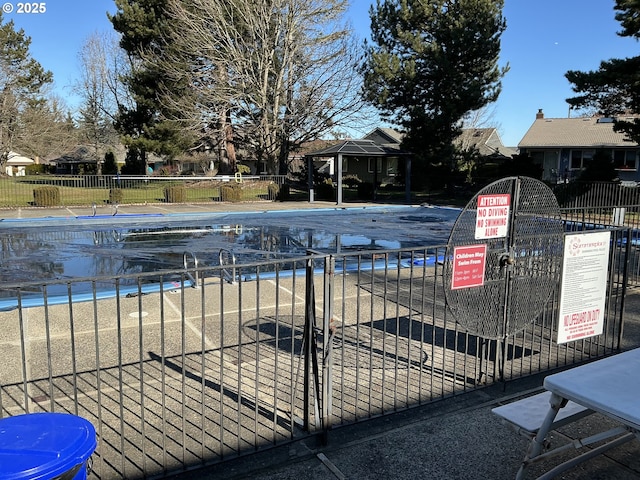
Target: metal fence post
x=328, y=332
x=310, y=352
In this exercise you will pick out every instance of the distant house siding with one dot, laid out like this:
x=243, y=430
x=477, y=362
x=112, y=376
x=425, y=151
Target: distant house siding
x=565, y=164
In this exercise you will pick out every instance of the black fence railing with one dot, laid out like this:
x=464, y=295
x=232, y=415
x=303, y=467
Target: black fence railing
x=183, y=368
x=86, y=190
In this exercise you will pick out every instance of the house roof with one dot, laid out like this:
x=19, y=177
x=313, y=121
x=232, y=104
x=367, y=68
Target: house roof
x=573, y=132
x=15, y=159
x=485, y=140
x=385, y=136
x=355, y=148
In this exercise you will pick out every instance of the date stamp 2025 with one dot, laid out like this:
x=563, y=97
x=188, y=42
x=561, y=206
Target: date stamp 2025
x=24, y=7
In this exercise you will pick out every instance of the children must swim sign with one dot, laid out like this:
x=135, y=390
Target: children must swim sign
x=492, y=219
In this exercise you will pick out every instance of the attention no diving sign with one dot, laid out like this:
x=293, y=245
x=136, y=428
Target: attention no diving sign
x=492, y=219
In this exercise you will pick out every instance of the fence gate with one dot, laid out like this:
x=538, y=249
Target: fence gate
x=503, y=262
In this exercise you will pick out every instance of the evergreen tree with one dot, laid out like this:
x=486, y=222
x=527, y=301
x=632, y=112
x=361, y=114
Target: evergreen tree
x=432, y=62
x=615, y=87
x=21, y=83
x=110, y=167
x=145, y=129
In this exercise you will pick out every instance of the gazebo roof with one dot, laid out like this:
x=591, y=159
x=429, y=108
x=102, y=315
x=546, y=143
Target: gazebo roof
x=356, y=148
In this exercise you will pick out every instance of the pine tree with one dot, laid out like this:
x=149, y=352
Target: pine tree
x=144, y=127
x=21, y=82
x=431, y=63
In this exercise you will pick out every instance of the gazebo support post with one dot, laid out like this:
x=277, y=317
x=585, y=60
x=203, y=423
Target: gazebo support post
x=310, y=178
x=339, y=175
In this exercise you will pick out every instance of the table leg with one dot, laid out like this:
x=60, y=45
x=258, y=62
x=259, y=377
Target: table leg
x=537, y=443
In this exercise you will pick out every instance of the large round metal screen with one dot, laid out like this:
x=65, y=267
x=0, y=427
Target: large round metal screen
x=522, y=268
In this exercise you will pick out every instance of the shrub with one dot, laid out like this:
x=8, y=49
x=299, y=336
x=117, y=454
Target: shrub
x=243, y=169
x=231, y=193
x=325, y=191
x=116, y=195
x=365, y=191
x=284, y=193
x=175, y=194
x=273, y=190
x=47, y=196
x=351, y=181
x=36, y=169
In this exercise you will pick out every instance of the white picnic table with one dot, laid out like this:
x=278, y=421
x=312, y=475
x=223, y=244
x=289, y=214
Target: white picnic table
x=610, y=386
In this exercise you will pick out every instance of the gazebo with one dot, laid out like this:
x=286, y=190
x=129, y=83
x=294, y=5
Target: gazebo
x=358, y=149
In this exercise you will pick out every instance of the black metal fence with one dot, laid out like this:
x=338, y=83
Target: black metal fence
x=75, y=190
x=179, y=369
x=603, y=203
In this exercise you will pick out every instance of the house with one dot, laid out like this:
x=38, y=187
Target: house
x=84, y=159
x=16, y=164
x=564, y=146
x=486, y=141
x=378, y=158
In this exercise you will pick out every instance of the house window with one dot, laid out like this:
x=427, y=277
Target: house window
x=377, y=162
x=580, y=158
x=392, y=167
x=625, y=159
x=345, y=163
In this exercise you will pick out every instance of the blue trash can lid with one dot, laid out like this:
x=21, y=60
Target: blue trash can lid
x=44, y=445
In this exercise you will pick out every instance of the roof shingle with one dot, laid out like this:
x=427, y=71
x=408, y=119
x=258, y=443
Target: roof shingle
x=573, y=132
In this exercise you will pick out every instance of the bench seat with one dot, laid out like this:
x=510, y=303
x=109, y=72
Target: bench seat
x=526, y=415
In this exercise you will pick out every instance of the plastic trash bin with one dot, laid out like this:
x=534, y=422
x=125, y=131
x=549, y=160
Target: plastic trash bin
x=51, y=446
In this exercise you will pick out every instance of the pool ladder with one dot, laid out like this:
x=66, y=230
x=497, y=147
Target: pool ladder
x=186, y=256
x=114, y=209
x=226, y=257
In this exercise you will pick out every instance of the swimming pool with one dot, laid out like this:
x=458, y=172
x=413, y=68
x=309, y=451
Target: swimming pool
x=78, y=247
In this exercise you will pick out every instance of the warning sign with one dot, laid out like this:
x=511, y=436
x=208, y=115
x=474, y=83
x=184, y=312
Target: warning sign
x=492, y=219
x=584, y=286
x=468, y=266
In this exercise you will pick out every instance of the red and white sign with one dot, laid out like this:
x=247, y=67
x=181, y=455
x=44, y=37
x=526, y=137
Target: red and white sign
x=584, y=286
x=492, y=219
x=468, y=266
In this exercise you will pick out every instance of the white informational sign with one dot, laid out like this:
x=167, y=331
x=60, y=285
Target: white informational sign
x=492, y=219
x=584, y=285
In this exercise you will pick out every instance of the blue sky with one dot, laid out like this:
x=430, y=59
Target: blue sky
x=544, y=39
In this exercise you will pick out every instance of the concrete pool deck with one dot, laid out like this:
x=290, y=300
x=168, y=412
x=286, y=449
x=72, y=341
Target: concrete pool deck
x=175, y=209
x=457, y=438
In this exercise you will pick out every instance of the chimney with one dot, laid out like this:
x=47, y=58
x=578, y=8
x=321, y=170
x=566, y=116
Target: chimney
x=539, y=115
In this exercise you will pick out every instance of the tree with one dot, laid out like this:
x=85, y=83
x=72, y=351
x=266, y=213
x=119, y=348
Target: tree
x=432, y=62
x=599, y=169
x=614, y=88
x=99, y=87
x=267, y=75
x=145, y=129
x=44, y=128
x=110, y=166
x=21, y=82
